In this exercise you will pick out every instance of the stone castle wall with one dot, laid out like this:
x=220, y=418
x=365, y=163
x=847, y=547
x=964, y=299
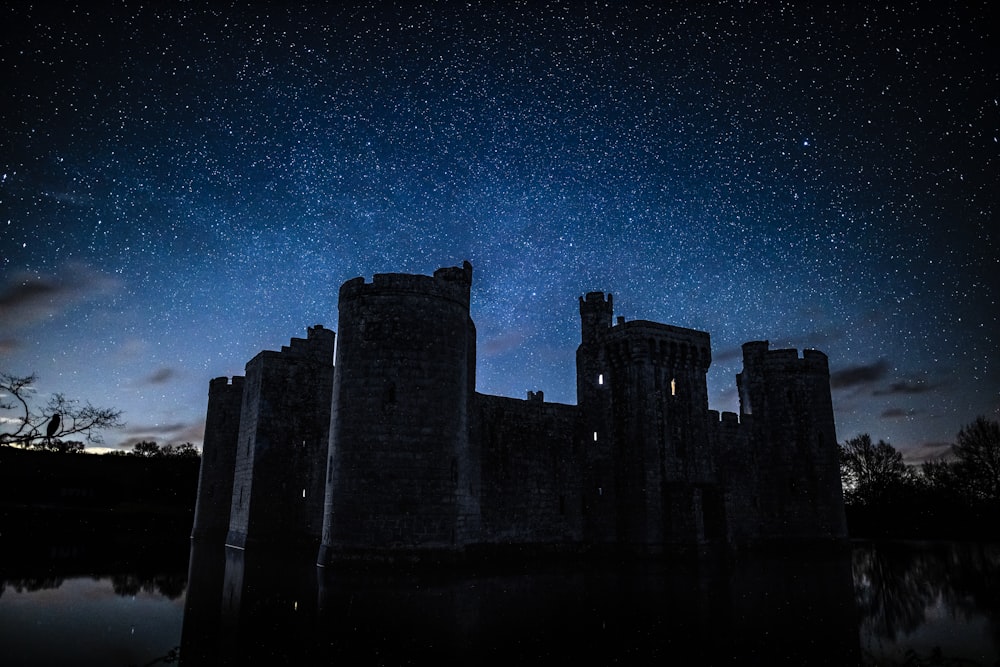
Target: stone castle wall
x=408, y=458
x=794, y=441
x=530, y=473
x=279, y=482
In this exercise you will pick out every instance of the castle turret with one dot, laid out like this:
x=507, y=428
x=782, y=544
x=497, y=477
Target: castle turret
x=401, y=474
x=280, y=466
x=794, y=441
x=218, y=457
x=664, y=466
x=595, y=316
x=593, y=382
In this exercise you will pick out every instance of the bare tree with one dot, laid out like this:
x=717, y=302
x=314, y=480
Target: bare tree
x=41, y=427
x=977, y=454
x=871, y=472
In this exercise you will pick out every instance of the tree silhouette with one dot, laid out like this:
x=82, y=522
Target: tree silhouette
x=149, y=449
x=977, y=454
x=872, y=473
x=61, y=446
x=40, y=427
x=183, y=451
x=145, y=449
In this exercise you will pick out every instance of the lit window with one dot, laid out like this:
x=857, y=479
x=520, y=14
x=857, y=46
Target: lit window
x=673, y=387
x=600, y=379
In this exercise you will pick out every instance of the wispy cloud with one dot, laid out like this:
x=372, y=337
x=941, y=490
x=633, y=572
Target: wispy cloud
x=501, y=344
x=160, y=376
x=907, y=387
x=167, y=428
x=928, y=451
x=863, y=374
x=167, y=433
x=898, y=413
x=26, y=298
x=727, y=354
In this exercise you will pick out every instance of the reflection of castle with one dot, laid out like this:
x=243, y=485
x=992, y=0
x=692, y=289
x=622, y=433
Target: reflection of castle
x=393, y=451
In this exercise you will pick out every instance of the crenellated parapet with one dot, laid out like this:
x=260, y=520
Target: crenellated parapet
x=596, y=311
x=659, y=344
x=451, y=283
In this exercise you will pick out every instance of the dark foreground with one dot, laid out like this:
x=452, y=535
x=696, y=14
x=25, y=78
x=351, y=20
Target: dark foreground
x=878, y=603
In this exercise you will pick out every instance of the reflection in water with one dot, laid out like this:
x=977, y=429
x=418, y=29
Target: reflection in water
x=939, y=600
x=84, y=621
x=31, y=584
x=279, y=609
x=169, y=586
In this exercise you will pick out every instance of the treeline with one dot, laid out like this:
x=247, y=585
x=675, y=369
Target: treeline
x=145, y=449
x=953, y=497
x=151, y=450
x=41, y=491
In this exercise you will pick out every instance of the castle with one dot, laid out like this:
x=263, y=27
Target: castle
x=391, y=450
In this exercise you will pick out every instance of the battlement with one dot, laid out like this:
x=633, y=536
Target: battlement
x=319, y=343
x=598, y=300
x=756, y=354
x=451, y=283
x=219, y=383
x=595, y=316
x=662, y=343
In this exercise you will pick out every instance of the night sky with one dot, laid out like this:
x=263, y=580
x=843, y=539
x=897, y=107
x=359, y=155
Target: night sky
x=185, y=186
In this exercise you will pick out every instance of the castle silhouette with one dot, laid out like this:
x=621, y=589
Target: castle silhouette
x=392, y=452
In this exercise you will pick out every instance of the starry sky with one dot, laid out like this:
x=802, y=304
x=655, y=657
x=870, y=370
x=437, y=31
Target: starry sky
x=185, y=185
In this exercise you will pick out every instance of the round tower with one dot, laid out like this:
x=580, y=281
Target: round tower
x=399, y=468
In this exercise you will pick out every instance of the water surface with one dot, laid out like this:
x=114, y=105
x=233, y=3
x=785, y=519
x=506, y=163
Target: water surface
x=880, y=603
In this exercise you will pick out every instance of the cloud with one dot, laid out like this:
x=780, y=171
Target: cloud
x=27, y=298
x=853, y=376
x=907, y=387
x=146, y=429
x=501, y=344
x=727, y=354
x=160, y=376
x=896, y=413
x=928, y=451
x=174, y=433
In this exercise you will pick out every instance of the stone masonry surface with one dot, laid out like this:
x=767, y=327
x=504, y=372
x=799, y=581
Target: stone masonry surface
x=380, y=445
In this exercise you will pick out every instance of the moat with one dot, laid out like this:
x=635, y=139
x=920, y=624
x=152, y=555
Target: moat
x=870, y=605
